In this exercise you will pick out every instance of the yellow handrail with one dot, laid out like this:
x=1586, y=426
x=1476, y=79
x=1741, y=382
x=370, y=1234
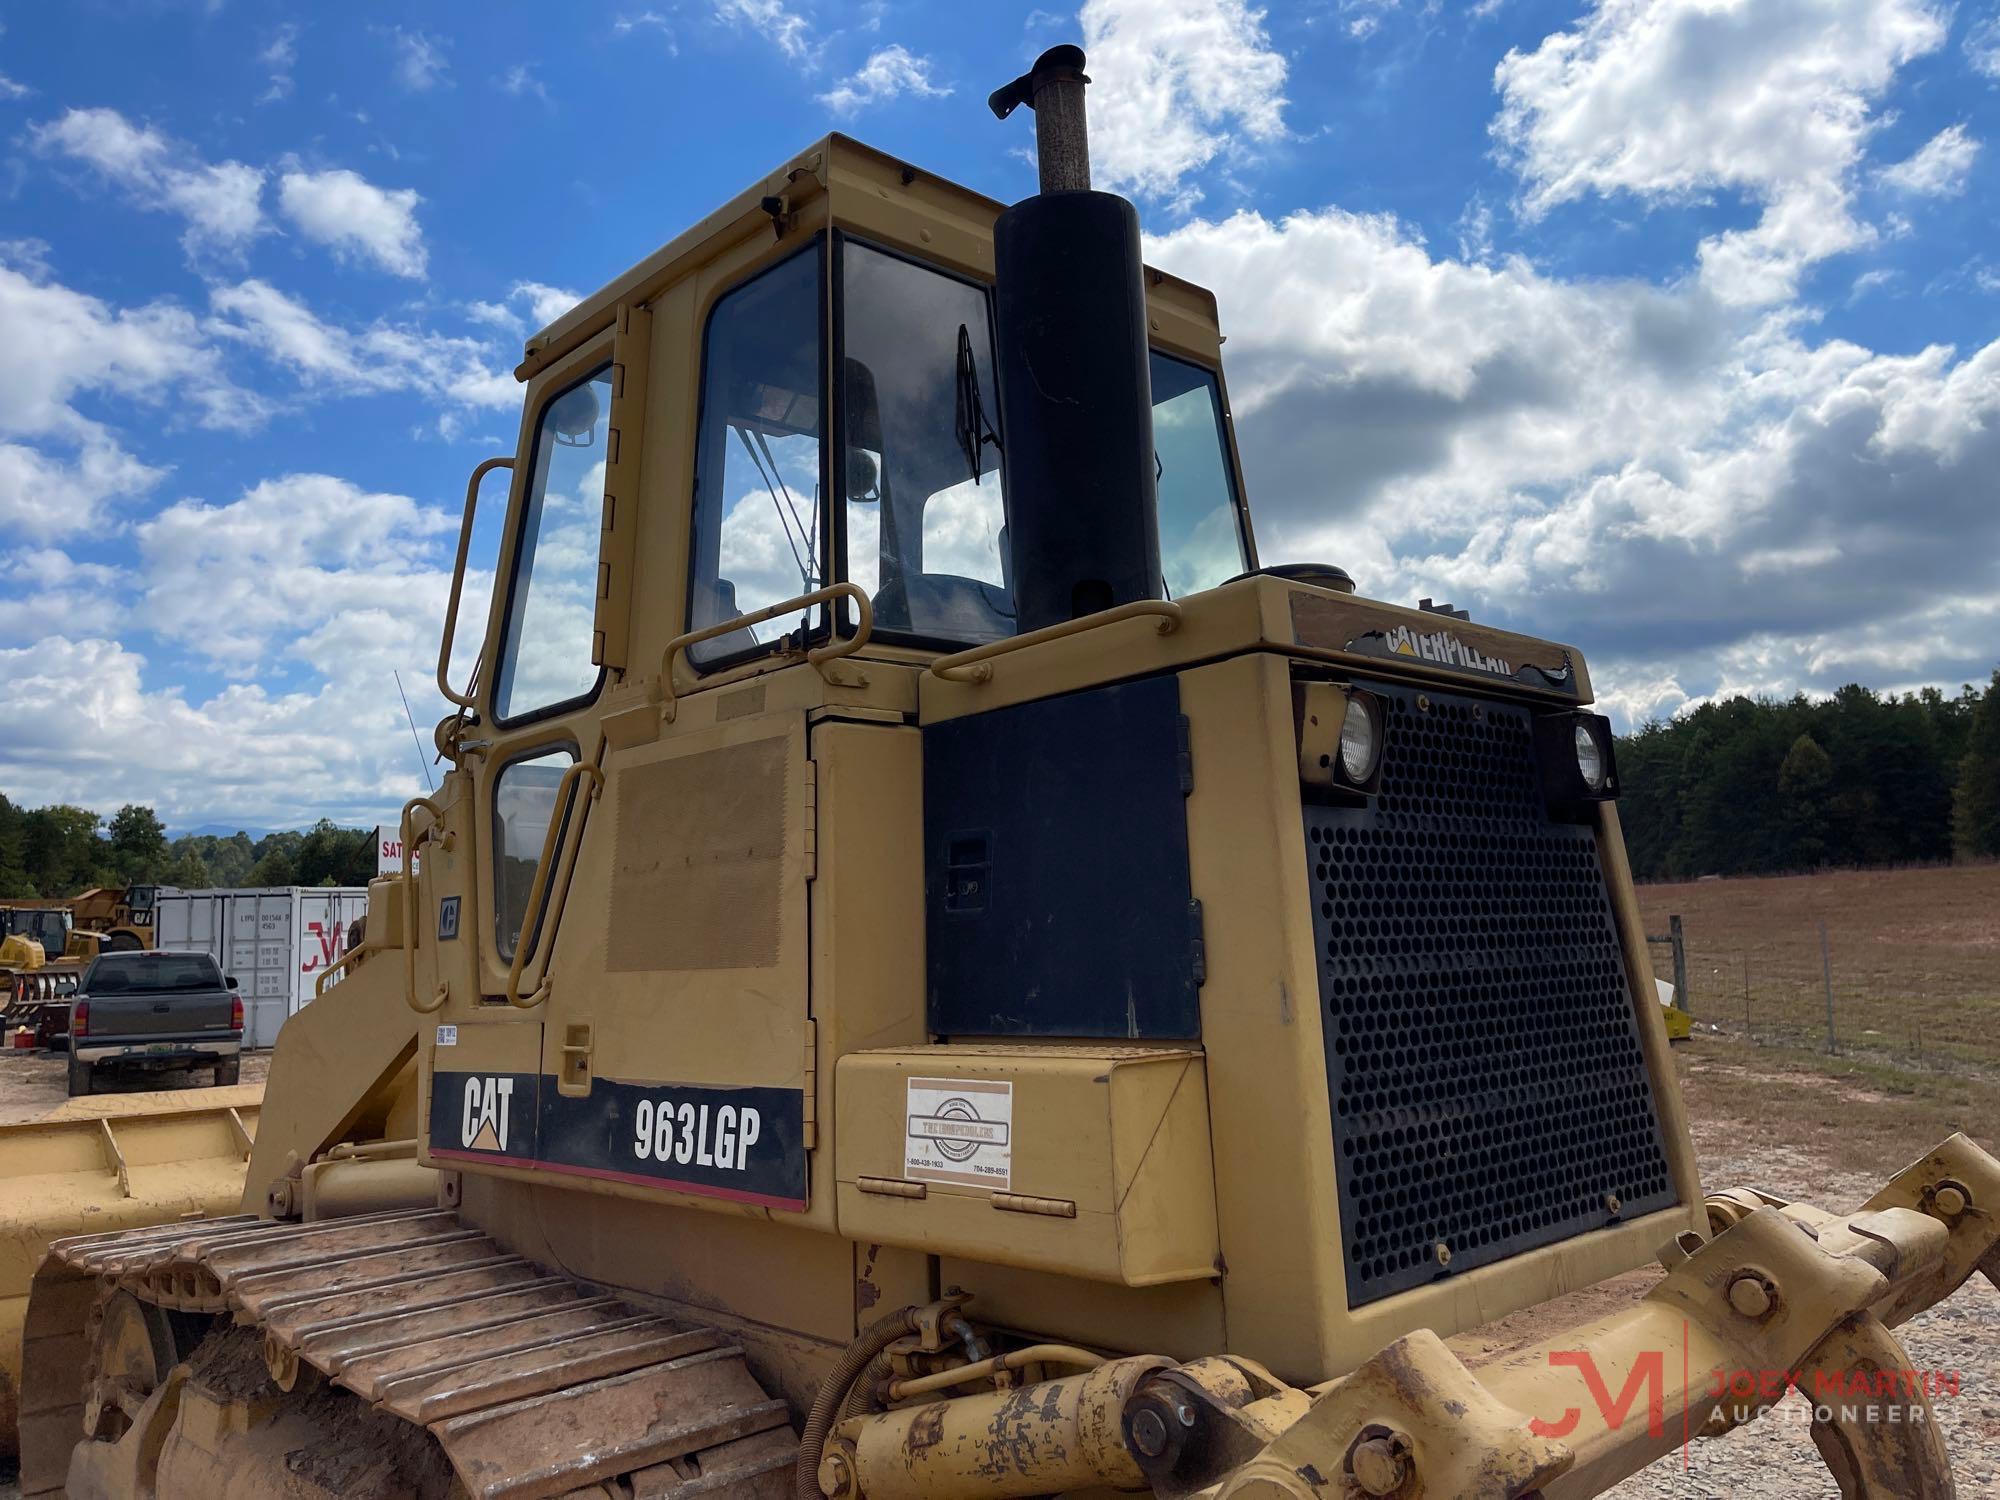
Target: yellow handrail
x=976, y=665
x=410, y=905
x=326, y=974
x=864, y=626
x=458, y=580
x=533, y=918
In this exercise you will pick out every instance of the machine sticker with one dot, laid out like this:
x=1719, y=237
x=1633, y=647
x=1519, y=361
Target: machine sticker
x=447, y=919
x=484, y=1114
x=746, y=1144
x=447, y=1036
x=959, y=1130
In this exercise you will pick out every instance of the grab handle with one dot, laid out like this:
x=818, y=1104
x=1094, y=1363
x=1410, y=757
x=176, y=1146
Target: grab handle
x=463, y=700
x=976, y=665
x=541, y=889
x=410, y=904
x=847, y=645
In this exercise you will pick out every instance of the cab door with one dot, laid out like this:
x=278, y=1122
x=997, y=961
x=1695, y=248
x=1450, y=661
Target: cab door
x=490, y=907
x=676, y=1050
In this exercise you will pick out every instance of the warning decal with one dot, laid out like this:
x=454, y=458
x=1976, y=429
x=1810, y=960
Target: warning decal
x=960, y=1130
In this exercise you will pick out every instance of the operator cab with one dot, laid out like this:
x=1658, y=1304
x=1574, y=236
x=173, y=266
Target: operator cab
x=919, y=519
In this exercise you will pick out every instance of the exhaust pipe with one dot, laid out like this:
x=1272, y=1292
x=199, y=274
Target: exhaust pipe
x=1076, y=392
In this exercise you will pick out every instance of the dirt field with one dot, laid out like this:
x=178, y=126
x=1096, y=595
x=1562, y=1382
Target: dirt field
x=1914, y=957
x=32, y=1085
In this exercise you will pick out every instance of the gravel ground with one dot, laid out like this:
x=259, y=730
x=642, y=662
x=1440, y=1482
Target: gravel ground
x=1775, y=1457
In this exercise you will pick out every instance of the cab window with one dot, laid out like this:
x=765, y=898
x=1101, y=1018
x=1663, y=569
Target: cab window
x=524, y=798
x=925, y=515
x=757, y=507
x=546, y=648
x=1201, y=530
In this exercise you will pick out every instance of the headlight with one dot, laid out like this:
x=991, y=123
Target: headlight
x=1341, y=733
x=1589, y=758
x=1360, y=740
x=1578, y=766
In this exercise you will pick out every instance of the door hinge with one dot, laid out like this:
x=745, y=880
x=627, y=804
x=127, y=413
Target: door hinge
x=810, y=1133
x=811, y=820
x=1197, y=945
x=1185, y=755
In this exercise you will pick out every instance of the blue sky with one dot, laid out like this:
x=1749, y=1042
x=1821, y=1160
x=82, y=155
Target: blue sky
x=1661, y=326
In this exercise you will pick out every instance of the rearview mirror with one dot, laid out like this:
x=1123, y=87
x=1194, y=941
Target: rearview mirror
x=229, y=980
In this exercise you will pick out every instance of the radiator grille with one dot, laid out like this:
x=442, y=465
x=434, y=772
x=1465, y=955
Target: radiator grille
x=1489, y=1091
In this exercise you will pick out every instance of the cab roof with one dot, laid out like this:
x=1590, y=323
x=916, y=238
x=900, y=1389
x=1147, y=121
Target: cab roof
x=864, y=191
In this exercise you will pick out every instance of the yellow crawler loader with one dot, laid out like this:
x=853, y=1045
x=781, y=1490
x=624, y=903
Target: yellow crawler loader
x=933, y=973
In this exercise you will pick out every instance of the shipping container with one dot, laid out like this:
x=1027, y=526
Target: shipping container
x=275, y=942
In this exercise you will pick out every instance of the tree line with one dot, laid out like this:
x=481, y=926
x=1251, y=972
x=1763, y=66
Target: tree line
x=61, y=850
x=1759, y=786
x=1738, y=787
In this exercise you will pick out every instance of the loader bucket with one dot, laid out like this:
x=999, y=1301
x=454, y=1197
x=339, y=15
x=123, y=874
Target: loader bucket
x=113, y=1162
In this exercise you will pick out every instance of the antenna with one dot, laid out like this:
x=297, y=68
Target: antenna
x=412, y=718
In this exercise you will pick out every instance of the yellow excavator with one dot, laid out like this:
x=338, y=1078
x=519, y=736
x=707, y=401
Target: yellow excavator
x=934, y=973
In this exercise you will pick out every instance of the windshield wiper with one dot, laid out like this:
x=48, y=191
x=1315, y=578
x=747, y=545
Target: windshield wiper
x=969, y=423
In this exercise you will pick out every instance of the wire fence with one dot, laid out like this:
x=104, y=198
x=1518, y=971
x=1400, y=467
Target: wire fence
x=1810, y=984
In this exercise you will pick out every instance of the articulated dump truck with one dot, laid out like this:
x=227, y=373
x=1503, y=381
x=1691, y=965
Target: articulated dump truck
x=933, y=973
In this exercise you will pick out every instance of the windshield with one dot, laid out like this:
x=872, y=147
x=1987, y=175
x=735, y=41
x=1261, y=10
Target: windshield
x=152, y=973
x=926, y=524
x=923, y=503
x=50, y=927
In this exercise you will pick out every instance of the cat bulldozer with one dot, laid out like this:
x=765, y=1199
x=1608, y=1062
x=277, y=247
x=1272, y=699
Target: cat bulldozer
x=934, y=973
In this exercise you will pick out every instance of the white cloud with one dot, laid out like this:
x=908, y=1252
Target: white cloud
x=63, y=473
x=262, y=757
x=646, y=20
x=306, y=575
x=545, y=303
x=221, y=201
x=38, y=585
x=1982, y=46
x=351, y=216
x=889, y=71
x=9, y=89
x=1673, y=99
x=280, y=54
x=381, y=357
x=531, y=304
x=1177, y=84
x=420, y=61
x=231, y=582
x=1656, y=474
x=1939, y=169
x=520, y=81
x=784, y=29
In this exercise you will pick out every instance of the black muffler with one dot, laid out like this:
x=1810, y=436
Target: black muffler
x=1076, y=399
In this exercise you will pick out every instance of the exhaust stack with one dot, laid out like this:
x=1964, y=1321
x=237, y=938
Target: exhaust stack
x=1076, y=397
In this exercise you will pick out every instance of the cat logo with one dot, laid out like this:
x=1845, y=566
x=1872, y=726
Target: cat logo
x=483, y=1126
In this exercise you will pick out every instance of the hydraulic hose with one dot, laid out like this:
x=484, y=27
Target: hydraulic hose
x=854, y=1359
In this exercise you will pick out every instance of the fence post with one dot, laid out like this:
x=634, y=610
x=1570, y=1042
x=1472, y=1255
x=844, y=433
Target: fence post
x=1680, y=966
x=1826, y=974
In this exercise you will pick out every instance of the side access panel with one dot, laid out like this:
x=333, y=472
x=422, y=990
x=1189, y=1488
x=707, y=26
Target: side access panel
x=1056, y=884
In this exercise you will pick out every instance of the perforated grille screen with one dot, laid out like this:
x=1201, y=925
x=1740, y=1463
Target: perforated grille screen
x=1488, y=1087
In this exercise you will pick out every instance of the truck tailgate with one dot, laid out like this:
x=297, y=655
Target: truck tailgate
x=206, y=1012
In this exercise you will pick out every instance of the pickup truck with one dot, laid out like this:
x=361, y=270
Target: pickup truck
x=152, y=1011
